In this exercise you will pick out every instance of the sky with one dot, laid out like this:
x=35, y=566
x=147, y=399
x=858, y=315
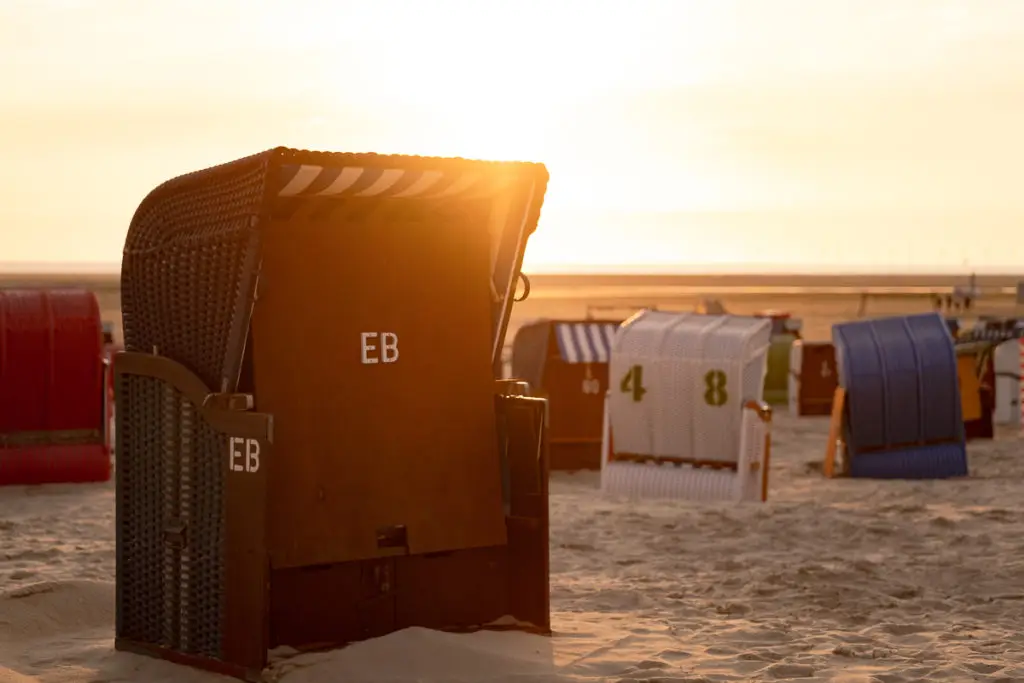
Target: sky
x=802, y=135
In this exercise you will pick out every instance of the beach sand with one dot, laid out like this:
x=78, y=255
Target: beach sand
x=831, y=580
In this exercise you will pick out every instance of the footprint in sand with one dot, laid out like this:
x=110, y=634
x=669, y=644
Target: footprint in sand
x=582, y=547
x=790, y=671
x=984, y=667
x=904, y=629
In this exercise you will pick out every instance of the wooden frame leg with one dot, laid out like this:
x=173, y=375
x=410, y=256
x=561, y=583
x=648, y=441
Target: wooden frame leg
x=835, y=429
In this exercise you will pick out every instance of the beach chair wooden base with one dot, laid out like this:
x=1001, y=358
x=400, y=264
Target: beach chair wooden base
x=259, y=605
x=835, y=463
x=906, y=461
x=640, y=476
x=571, y=455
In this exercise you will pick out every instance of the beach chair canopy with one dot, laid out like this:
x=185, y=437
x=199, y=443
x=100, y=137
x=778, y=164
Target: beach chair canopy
x=194, y=250
x=570, y=341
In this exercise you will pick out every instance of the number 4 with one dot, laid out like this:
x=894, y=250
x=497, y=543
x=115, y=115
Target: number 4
x=633, y=382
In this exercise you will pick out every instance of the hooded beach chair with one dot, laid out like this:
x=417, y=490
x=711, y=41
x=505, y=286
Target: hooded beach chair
x=812, y=377
x=313, y=443
x=566, y=362
x=684, y=415
x=54, y=392
x=898, y=410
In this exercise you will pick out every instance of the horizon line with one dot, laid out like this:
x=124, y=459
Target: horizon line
x=70, y=268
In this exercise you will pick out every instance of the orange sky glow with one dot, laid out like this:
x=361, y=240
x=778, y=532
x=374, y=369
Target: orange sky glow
x=699, y=134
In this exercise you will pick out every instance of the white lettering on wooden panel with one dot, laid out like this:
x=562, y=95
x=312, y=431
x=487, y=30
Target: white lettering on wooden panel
x=378, y=347
x=243, y=454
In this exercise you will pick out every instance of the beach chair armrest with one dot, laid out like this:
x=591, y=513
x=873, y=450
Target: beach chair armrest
x=755, y=445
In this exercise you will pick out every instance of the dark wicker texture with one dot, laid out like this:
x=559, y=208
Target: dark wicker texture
x=187, y=277
x=189, y=265
x=169, y=476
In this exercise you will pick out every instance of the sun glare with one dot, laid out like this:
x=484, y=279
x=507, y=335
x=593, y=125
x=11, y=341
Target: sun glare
x=483, y=83
x=478, y=102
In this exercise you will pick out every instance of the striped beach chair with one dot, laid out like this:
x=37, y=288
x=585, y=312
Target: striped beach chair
x=566, y=361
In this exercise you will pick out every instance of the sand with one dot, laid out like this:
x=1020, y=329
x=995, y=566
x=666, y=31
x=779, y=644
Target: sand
x=831, y=580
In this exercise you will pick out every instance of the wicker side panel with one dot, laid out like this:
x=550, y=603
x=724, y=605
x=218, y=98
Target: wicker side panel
x=170, y=521
x=189, y=267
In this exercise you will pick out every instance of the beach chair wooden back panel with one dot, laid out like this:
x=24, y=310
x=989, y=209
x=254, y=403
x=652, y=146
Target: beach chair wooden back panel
x=812, y=378
x=410, y=375
x=575, y=384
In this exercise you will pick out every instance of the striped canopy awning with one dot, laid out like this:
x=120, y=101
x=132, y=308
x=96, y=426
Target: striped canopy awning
x=243, y=196
x=515, y=191
x=585, y=342
x=311, y=180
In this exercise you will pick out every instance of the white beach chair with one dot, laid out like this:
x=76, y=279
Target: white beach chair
x=684, y=416
x=1008, y=359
